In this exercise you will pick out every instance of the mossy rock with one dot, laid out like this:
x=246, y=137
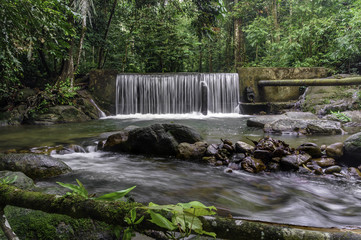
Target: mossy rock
x=21, y=180
x=35, y=166
x=37, y=225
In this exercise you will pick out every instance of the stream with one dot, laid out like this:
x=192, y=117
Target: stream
x=275, y=197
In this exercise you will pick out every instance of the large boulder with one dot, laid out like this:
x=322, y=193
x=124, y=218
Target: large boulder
x=352, y=150
x=117, y=142
x=295, y=122
x=314, y=127
x=17, y=179
x=33, y=165
x=157, y=139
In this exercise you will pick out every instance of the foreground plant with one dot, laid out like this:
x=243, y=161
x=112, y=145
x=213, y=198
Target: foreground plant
x=184, y=216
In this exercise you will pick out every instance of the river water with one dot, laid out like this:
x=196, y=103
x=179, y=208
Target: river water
x=278, y=197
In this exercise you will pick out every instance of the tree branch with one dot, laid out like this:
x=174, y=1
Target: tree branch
x=5, y=226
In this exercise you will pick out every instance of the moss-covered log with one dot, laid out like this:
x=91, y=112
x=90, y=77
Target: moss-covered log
x=114, y=213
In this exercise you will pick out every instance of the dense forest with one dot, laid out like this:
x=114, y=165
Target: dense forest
x=54, y=41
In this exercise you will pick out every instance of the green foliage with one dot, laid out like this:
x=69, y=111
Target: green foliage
x=184, y=217
x=132, y=222
x=8, y=180
x=342, y=117
x=79, y=190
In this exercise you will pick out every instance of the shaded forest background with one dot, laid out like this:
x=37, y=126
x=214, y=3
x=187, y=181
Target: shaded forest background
x=49, y=42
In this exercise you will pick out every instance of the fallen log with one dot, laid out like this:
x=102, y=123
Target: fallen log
x=114, y=213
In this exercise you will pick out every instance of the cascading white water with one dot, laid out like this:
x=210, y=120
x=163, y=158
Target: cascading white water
x=176, y=93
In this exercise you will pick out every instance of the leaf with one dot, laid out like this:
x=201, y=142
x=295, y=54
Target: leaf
x=169, y=207
x=198, y=209
x=115, y=195
x=78, y=190
x=161, y=221
x=139, y=220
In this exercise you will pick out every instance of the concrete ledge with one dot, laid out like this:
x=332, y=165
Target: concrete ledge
x=249, y=77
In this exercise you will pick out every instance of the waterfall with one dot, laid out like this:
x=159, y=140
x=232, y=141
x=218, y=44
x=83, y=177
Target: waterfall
x=176, y=93
x=100, y=112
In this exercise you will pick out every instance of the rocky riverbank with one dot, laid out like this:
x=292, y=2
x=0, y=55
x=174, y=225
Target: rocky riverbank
x=265, y=155
x=42, y=108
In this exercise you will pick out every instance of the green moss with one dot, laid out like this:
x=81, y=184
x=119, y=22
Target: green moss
x=30, y=224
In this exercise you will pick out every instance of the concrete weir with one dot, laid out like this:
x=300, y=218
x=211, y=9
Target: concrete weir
x=165, y=93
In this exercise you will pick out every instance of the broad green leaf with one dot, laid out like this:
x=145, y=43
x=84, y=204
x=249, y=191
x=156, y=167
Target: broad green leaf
x=139, y=220
x=169, y=207
x=78, y=190
x=161, y=221
x=115, y=195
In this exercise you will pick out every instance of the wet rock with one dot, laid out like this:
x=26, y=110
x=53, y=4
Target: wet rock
x=264, y=155
x=33, y=165
x=354, y=172
x=317, y=170
x=211, y=160
x=324, y=127
x=117, y=142
x=157, y=139
x=261, y=121
x=333, y=169
x=311, y=148
x=242, y=147
x=323, y=147
x=237, y=158
x=324, y=162
x=228, y=170
x=219, y=163
x=192, y=151
x=286, y=126
x=292, y=162
x=47, y=150
x=228, y=142
x=276, y=159
x=229, y=148
x=303, y=126
x=21, y=180
x=303, y=170
x=233, y=166
x=253, y=165
x=273, y=166
x=352, y=150
x=335, y=150
x=212, y=149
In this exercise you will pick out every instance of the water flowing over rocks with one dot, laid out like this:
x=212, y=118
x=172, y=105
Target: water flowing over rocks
x=157, y=139
x=34, y=166
x=266, y=154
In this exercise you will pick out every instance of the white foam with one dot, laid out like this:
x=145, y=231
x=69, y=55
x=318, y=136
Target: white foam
x=194, y=115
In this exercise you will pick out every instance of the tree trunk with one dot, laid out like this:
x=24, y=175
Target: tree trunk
x=200, y=63
x=239, y=45
x=114, y=213
x=101, y=59
x=82, y=36
x=68, y=69
x=275, y=21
